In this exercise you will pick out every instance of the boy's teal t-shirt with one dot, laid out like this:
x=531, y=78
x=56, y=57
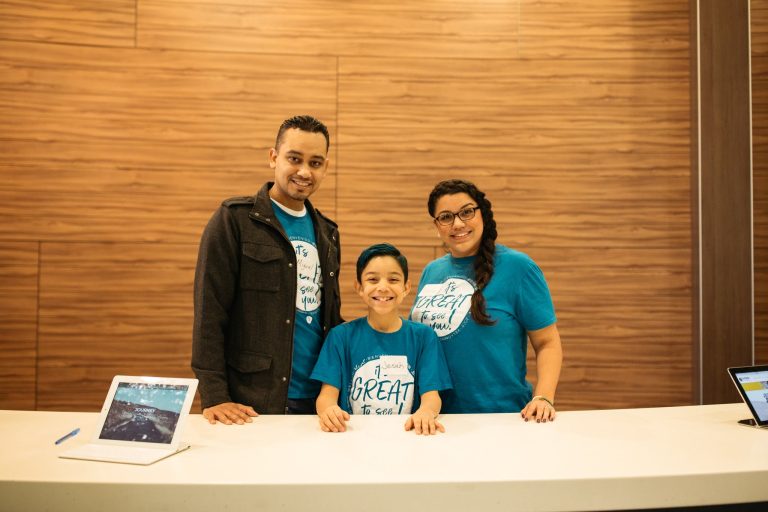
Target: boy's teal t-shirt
x=382, y=373
x=487, y=363
x=308, y=333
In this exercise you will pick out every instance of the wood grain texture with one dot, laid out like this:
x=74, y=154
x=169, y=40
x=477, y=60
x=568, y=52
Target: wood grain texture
x=108, y=309
x=297, y=27
x=760, y=213
x=725, y=195
x=759, y=40
x=574, y=117
x=592, y=290
x=758, y=13
x=640, y=206
x=82, y=22
x=18, y=324
x=150, y=141
x=481, y=106
x=565, y=29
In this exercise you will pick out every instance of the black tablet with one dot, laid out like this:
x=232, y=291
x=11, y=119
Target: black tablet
x=752, y=383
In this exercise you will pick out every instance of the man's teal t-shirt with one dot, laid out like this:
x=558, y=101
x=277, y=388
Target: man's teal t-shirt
x=308, y=333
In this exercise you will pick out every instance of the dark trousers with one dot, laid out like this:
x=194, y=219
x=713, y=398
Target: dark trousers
x=300, y=406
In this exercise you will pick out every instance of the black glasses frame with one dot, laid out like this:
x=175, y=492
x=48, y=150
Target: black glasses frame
x=465, y=214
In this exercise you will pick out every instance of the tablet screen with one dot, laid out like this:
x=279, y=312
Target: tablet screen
x=144, y=412
x=752, y=383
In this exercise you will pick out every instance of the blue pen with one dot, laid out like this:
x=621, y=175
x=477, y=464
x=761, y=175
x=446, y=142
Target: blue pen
x=67, y=436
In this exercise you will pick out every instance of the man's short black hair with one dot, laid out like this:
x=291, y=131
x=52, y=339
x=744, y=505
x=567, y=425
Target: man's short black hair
x=305, y=124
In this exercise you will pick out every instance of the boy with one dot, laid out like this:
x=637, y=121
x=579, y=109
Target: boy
x=384, y=364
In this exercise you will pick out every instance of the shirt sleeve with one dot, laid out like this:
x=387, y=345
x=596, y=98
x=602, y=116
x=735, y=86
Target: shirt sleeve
x=433, y=374
x=328, y=368
x=534, y=305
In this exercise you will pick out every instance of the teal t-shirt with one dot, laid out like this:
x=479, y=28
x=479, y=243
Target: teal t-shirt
x=382, y=373
x=487, y=363
x=308, y=333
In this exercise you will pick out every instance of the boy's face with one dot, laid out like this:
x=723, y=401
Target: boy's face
x=383, y=285
x=300, y=165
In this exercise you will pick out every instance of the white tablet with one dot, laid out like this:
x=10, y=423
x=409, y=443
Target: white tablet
x=142, y=420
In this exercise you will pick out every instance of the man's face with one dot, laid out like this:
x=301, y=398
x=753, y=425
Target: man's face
x=300, y=165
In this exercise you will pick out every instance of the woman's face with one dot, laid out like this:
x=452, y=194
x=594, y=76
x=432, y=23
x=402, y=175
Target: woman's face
x=461, y=237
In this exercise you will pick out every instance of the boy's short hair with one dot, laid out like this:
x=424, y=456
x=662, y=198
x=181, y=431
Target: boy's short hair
x=305, y=124
x=381, y=250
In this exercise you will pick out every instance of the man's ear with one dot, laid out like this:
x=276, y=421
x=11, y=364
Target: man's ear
x=272, y=158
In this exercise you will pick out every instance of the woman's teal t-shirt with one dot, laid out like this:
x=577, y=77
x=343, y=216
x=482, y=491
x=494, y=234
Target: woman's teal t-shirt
x=487, y=363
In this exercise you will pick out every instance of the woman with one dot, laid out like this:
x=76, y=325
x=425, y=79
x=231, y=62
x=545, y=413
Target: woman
x=484, y=300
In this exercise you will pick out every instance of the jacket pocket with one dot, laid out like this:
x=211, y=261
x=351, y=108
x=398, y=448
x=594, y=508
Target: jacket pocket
x=250, y=380
x=251, y=362
x=260, y=267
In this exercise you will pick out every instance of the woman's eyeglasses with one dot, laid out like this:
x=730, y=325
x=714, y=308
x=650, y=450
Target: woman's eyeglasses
x=446, y=218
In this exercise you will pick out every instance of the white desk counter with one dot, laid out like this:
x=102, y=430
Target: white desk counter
x=585, y=460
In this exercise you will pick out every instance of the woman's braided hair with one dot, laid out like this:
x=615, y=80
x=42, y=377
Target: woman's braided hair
x=484, y=259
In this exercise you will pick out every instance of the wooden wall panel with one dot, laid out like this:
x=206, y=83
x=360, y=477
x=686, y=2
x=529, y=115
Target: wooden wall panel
x=759, y=40
x=18, y=324
x=480, y=106
x=82, y=22
x=107, y=309
x=593, y=288
x=149, y=141
x=594, y=29
x=533, y=205
x=297, y=27
x=760, y=192
x=588, y=167
x=539, y=179
x=573, y=116
x=723, y=194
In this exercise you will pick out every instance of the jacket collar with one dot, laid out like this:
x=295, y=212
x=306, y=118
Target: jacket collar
x=262, y=205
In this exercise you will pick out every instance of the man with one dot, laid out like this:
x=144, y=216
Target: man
x=266, y=287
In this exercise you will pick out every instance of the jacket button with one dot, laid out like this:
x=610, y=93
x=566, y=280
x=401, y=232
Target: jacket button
x=284, y=379
x=288, y=320
x=331, y=274
x=290, y=265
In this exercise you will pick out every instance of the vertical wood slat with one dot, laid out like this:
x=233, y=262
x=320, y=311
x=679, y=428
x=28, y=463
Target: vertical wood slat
x=725, y=196
x=18, y=324
x=759, y=40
